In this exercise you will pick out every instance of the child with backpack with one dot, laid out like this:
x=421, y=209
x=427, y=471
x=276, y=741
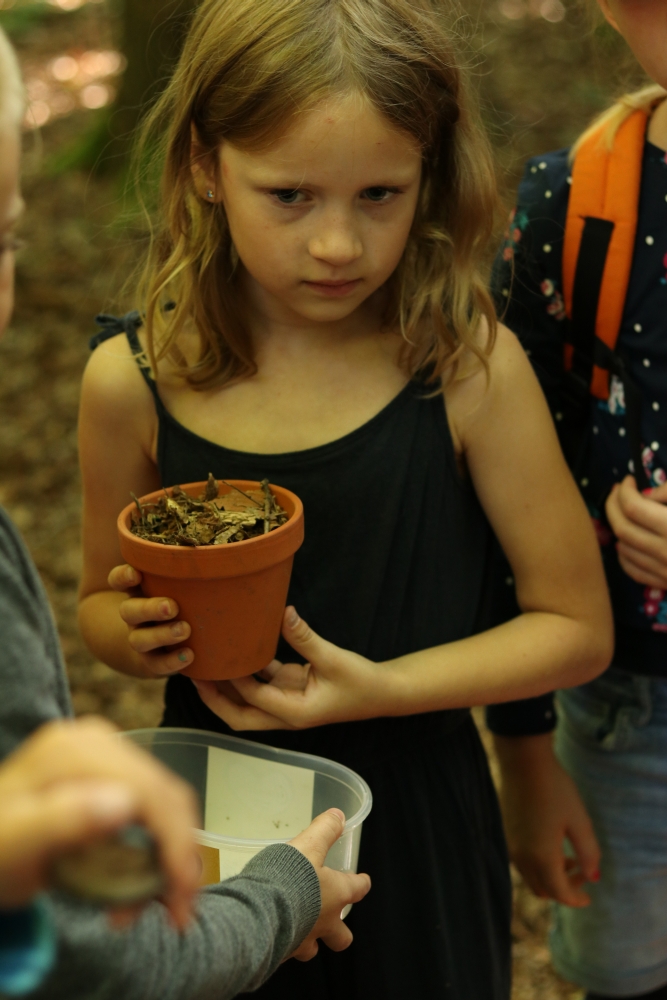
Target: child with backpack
x=583, y=281
x=327, y=199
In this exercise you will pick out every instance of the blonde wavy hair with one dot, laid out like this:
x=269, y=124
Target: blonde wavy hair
x=608, y=123
x=247, y=68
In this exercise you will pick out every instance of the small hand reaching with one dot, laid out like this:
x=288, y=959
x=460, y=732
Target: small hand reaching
x=335, y=685
x=542, y=808
x=639, y=522
x=74, y=781
x=338, y=889
x=151, y=626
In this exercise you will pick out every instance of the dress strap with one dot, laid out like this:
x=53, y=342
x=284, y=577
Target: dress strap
x=111, y=326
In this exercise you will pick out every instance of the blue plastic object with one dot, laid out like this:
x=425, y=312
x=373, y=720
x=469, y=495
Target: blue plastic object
x=27, y=948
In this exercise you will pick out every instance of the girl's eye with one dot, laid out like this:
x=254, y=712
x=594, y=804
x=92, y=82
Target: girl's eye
x=287, y=197
x=378, y=195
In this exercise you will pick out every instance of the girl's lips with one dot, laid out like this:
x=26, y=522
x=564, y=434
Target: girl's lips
x=333, y=289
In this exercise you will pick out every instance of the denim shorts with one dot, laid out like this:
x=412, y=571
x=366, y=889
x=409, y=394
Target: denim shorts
x=612, y=739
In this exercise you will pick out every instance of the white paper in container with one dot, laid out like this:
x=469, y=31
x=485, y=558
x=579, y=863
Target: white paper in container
x=253, y=795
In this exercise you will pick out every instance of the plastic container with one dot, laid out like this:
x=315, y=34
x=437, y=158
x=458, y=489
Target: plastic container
x=253, y=795
x=233, y=596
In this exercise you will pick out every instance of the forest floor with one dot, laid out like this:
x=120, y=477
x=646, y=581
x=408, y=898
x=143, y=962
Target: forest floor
x=540, y=81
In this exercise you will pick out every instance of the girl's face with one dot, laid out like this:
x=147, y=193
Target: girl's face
x=643, y=24
x=321, y=219
x=11, y=207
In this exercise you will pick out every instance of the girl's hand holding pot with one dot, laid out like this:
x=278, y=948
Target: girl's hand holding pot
x=335, y=685
x=153, y=626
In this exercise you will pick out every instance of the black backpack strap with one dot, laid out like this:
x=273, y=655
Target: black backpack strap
x=615, y=362
x=589, y=350
x=586, y=295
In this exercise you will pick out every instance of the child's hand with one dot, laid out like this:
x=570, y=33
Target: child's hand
x=151, y=642
x=74, y=781
x=338, y=889
x=640, y=525
x=541, y=807
x=334, y=686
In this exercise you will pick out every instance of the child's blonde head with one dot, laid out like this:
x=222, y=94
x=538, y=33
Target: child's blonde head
x=249, y=67
x=12, y=96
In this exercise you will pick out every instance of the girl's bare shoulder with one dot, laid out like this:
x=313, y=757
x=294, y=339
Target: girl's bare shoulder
x=479, y=393
x=113, y=387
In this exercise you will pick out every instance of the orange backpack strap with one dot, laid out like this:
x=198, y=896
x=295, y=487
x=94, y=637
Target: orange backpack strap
x=599, y=246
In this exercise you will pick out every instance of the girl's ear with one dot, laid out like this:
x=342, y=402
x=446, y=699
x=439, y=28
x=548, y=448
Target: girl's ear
x=606, y=10
x=204, y=169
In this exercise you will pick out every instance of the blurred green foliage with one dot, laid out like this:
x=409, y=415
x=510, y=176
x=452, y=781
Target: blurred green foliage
x=19, y=20
x=541, y=83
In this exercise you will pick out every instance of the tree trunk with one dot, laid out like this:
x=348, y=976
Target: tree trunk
x=153, y=34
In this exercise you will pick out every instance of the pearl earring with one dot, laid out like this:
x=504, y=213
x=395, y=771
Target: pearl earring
x=209, y=193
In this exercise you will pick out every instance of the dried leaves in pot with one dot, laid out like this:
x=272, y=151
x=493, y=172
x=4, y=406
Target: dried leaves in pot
x=210, y=519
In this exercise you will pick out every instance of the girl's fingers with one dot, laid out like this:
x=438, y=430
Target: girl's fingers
x=639, y=521
x=549, y=880
x=339, y=939
x=658, y=493
x=166, y=664
x=268, y=673
x=285, y=703
x=124, y=577
x=301, y=637
x=585, y=844
x=239, y=717
x=144, y=640
x=306, y=951
x=635, y=535
x=138, y=610
x=647, y=512
x=291, y=677
x=641, y=568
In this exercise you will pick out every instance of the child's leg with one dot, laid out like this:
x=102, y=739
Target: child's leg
x=612, y=739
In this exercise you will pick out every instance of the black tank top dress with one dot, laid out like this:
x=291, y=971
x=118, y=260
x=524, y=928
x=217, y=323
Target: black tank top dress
x=395, y=560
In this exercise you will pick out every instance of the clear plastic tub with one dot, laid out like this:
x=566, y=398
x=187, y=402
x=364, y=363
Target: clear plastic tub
x=254, y=795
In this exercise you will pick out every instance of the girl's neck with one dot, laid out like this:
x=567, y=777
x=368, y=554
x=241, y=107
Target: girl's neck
x=274, y=326
x=657, y=129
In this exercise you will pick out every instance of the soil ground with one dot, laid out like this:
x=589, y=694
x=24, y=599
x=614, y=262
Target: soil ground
x=541, y=81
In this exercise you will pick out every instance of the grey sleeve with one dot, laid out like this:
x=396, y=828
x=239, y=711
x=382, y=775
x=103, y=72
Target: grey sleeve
x=33, y=684
x=243, y=929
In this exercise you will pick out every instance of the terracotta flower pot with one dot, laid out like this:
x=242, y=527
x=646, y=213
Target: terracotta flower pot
x=233, y=595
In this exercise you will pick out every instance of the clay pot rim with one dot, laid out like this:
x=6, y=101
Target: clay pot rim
x=123, y=519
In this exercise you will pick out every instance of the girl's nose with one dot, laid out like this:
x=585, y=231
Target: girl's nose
x=336, y=242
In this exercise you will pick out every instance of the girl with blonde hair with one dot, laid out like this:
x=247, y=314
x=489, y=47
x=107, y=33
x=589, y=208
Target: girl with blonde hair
x=604, y=790
x=314, y=310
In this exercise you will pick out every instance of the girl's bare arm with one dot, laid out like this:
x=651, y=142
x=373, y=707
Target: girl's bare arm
x=117, y=432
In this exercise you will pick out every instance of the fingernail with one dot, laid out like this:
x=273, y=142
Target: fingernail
x=177, y=629
x=595, y=877
x=339, y=813
x=647, y=492
x=292, y=618
x=185, y=655
x=165, y=610
x=130, y=575
x=111, y=802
